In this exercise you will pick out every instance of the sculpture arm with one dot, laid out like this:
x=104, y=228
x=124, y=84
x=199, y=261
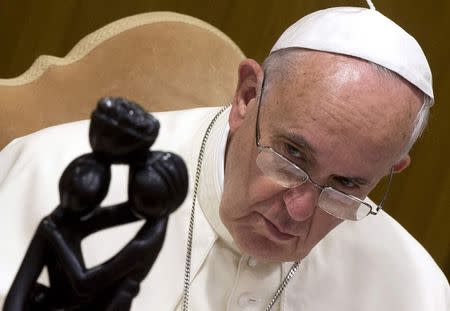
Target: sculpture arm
x=107, y=217
x=146, y=243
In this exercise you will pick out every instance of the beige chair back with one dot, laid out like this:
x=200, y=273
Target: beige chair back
x=162, y=60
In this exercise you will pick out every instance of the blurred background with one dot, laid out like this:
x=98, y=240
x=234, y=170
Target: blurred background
x=420, y=196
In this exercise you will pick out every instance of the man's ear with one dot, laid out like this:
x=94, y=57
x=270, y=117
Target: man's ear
x=250, y=76
x=401, y=164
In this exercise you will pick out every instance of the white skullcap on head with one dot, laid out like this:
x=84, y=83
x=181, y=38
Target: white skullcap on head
x=363, y=33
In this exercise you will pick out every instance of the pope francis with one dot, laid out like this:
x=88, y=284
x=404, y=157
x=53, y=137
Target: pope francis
x=277, y=216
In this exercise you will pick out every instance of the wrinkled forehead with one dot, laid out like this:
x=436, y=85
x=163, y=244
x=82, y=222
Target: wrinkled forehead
x=347, y=99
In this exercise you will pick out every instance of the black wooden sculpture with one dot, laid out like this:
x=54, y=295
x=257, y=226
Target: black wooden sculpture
x=121, y=132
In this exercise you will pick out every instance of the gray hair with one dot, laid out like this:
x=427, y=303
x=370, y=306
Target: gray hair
x=279, y=63
x=420, y=122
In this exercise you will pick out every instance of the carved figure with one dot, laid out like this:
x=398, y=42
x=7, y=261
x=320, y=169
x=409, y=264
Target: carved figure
x=120, y=132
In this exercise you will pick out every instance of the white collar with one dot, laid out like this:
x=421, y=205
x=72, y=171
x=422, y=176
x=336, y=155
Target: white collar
x=212, y=176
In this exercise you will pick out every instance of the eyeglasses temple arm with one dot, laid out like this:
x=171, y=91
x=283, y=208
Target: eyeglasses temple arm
x=257, y=134
x=386, y=193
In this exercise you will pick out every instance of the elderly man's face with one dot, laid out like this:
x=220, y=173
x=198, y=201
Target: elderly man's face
x=337, y=118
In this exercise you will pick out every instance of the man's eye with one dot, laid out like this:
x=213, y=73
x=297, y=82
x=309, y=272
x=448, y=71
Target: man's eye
x=347, y=183
x=294, y=152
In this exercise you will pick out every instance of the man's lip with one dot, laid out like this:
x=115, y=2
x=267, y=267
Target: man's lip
x=274, y=232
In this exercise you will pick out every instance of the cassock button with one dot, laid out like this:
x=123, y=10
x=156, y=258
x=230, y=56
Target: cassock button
x=252, y=262
x=247, y=300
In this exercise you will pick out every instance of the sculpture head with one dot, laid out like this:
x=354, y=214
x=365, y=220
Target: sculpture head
x=84, y=184
x=159, y=185
x=121, y=128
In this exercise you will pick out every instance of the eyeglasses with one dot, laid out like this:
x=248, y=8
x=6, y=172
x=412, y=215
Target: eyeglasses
x=289, y=175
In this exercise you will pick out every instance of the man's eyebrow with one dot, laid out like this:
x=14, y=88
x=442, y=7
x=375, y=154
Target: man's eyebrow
x=301, y=142
x=357, y=180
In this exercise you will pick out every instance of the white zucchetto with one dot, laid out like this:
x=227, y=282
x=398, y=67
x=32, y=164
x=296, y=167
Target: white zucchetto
x=363, y=33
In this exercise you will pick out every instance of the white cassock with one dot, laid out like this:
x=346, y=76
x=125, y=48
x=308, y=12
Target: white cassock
x=372, y=265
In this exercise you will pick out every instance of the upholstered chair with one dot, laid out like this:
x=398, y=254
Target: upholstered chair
x=162, y=60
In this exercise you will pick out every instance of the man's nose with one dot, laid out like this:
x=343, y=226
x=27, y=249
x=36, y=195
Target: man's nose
x=301, y=201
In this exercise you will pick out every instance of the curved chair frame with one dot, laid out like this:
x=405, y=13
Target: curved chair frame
x=162, y=60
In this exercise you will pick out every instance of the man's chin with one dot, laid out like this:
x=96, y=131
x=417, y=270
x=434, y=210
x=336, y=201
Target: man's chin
x=267, y=250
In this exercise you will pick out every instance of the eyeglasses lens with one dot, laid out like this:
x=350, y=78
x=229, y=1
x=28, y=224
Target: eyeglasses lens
x=341, y=205
x=286, y=174
x=279, y=169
